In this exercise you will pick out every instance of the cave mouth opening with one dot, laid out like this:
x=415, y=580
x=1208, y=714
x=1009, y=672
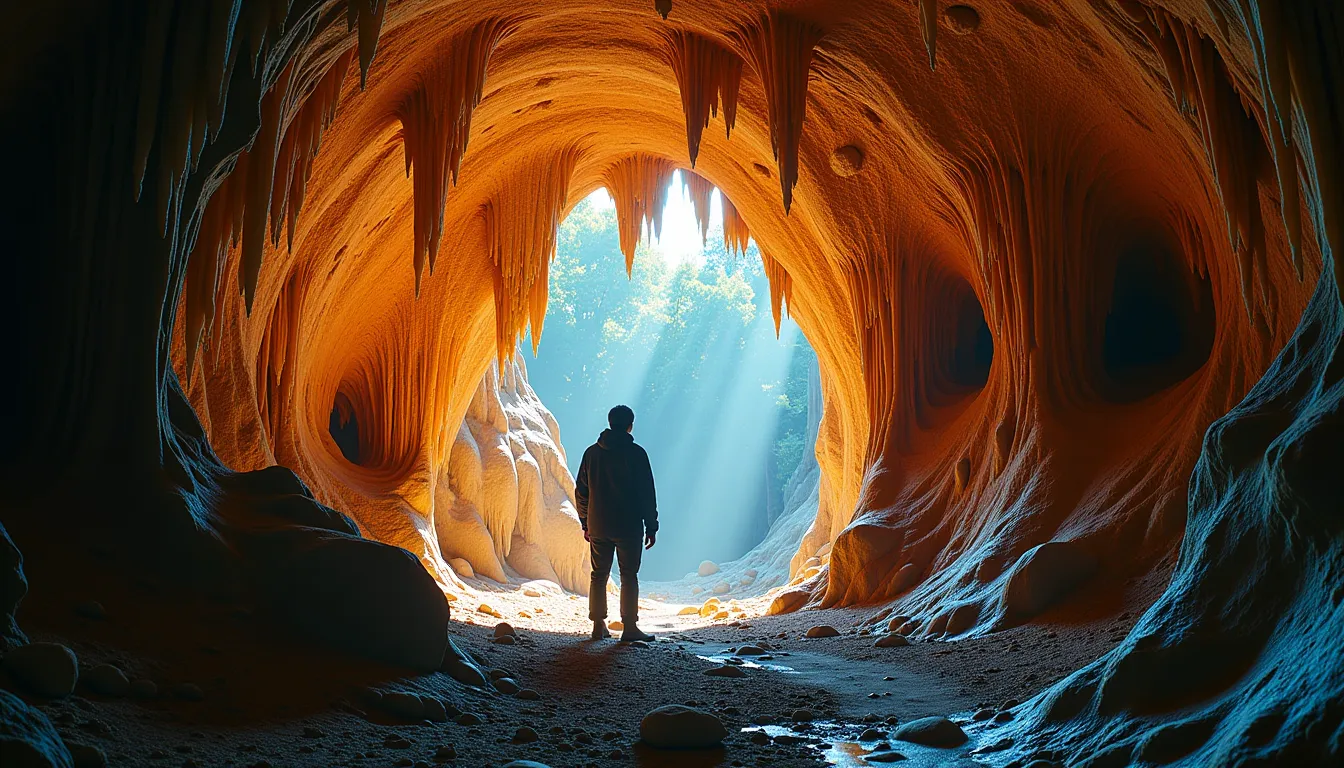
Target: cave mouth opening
x=688, y=340
x=959, y=340
x=344, y=427
x=972, y=351
x=1160, y=326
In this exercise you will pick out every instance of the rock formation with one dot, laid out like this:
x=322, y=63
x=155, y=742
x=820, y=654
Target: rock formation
x=1076, y=306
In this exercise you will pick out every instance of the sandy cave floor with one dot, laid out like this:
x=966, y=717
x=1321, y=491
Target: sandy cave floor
x=270, y=701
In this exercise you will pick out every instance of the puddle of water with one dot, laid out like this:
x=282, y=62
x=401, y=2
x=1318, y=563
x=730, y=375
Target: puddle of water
x=748, y=663
x=839, y=745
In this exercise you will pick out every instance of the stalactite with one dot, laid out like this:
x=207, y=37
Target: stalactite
x=303, y=138
x=781, y=288
x=707, y=75
x=780, y=48
x=521, y=219
x=436, y=123
x=225, y=219
x=928, y=27
x=638, y=184
x=698, y=189
x=1232, y=140
x=367, y=15
x=735, y=232
x=261, y=173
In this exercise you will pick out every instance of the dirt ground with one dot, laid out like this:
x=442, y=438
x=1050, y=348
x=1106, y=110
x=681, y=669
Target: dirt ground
x=267, y=701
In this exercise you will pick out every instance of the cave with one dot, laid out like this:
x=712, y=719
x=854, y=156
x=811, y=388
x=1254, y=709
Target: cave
x=277, y=489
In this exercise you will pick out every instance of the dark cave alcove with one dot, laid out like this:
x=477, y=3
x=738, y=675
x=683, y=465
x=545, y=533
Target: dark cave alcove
x=1160, y=327
x=973, y=352
x=344, y=427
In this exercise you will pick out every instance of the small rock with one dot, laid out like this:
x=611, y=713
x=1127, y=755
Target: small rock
x=689, y=610
x=505, y=640
x=931, y=732
x=105, y=680
x=527, y=694
x=697, y=590
x=762, y=720
x=751, y=650
x=445, y=753
x=707, y=568
x=822, y=630
x=982, y=715
x=462, y=566
x=524, y=735
x=725, y=670
x=48, y=670
x=872, y=734
x=1003, y=717
x=801, y=715
x=677, y=727
x=507, y=685
x=884, y=757
x=469, y=718
x=87, y=756
x=433, y=709
x=530, y=592
x=891, y=641
x=722, y=588
x=488, y=611
x=91, y=609
x=505, y=629
x=144, y=689
x=405, y=706
x=760, y=738
x=188, y=692
x=616, y=626
x=394, y=741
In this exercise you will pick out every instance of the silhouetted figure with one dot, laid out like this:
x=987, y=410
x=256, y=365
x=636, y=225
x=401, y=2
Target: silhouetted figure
x=618, y=509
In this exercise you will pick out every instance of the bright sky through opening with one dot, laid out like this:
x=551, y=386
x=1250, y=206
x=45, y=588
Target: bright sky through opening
x=681, y=240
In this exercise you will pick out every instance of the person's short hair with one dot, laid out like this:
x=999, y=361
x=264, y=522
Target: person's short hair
x=621, y=418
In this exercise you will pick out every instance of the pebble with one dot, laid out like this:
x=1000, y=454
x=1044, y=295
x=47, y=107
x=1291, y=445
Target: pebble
x=527, y=694
x=91, y=609
x=725, y=670
x=445, y=753
x=801, y=715
x=677, y=727
x=48, y=670
x=884, y=757
x=87, y=756
x=751, y=650
x=822, y=630
x=505, y=629
x=760, y=738
x=188, y=692
x=872, y=734
x=891, y=641
x=983, y=714
x=507, y=686
x=488, y=611
x=105, y=680
x=931, y=732
x=524, y=735
x=469, y=718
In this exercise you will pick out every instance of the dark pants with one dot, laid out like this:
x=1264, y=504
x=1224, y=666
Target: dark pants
x=628, y=552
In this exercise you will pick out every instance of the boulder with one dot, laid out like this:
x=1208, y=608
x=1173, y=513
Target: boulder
x=360, y=596
x=48, y=670
x=891, y=641
x=822, y=630
x=503, y=629
x=707, y=568
x=931, y=732
x=679, y=727
x=1043, y=576
x=27, y=737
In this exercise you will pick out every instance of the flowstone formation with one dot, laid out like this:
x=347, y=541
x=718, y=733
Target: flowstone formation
x=1070, y=270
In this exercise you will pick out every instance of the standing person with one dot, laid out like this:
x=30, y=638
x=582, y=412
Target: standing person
x=618, y=510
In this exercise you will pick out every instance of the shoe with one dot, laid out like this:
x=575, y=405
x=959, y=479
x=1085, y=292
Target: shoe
x=600, y=631
x=633, y=633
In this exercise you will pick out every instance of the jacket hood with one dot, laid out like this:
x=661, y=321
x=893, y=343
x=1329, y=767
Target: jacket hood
x=610, y=439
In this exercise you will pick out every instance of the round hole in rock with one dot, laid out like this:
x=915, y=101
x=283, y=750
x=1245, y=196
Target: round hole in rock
x=1160, y=326
x=973, y=352
x=344, y=427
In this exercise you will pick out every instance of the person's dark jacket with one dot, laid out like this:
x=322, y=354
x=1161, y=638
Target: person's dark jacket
x=614, y=489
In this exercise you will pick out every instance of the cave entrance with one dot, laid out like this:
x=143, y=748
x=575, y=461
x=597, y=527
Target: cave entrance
x=1160, y=327
x=688, y=341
